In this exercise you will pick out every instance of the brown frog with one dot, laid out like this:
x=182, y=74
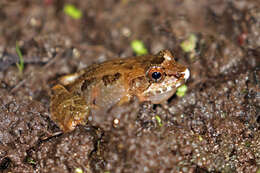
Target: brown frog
x=99, y=87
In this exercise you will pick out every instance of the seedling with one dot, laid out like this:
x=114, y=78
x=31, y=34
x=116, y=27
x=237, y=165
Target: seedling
x=138, y=47
x=181, y=91
x=159, y=120
x=20, y=64
x=189, y=45
x=72, y=11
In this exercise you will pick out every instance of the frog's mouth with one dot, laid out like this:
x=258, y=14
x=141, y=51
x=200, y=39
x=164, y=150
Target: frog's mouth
x=159, y=98
x=159, y=92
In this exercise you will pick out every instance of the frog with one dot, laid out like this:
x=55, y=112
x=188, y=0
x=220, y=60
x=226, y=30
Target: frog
x=99, y=87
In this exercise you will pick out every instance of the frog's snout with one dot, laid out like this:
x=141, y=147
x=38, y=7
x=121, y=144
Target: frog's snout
x=186, y=74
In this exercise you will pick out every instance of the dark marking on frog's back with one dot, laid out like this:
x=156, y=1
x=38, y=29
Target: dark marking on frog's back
x=86, y=83
x=110, y=79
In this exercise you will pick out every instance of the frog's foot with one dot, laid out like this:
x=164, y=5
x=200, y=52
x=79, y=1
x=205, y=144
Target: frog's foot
x=67, y=109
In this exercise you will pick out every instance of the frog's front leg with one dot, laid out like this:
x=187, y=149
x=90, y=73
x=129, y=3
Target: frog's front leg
x=68, y=109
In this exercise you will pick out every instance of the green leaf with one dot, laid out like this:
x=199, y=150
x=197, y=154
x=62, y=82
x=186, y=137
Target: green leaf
x=72, y=11
x=159, y=120
x=189, y=45
x=181, y=91
x=20, y=64
x=31, y=161
x=138, y=47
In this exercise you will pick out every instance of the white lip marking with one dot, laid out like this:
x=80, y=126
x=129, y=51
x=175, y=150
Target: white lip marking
x=186, y=74
x=168, y=88
x=178, y=84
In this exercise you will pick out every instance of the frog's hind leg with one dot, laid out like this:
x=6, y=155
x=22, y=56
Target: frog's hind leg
x=68, y=109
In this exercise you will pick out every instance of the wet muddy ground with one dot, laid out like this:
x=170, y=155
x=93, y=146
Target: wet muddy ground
x=214, y=127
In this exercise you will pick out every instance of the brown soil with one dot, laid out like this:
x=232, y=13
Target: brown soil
x=215, y=127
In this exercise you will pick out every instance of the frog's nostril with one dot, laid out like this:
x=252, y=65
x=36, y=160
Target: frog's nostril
x=186, y=74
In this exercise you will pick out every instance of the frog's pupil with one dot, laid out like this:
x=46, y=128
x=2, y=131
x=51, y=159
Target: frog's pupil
x=156, y=75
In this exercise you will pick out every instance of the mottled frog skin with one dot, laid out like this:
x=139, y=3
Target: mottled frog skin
x=99, y=87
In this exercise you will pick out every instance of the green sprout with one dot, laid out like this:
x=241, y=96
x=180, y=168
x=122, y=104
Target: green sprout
x=138, y=47
x=31, y=161
x=20, y=64
x=189, y=45
x=72, y=11
x=78, y=170
x=159, y=120
x=247, y=144
x=181, y=91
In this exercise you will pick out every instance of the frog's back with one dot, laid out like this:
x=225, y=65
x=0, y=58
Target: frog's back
x=120, y=66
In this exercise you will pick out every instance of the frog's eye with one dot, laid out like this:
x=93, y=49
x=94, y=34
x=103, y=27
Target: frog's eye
x=155, y=74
